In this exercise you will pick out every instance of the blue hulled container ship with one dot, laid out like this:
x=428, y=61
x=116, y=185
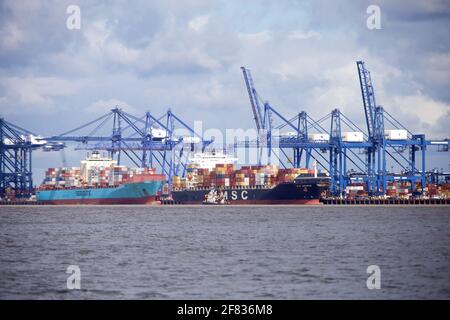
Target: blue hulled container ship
x=127, y=193
x=100, y=180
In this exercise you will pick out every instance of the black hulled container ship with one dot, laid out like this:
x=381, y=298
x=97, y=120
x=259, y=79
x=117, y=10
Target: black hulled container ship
x=213, y=174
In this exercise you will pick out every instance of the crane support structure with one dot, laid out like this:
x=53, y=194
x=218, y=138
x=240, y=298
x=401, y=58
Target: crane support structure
x=368, y=96
x=16, y=145
x=144, y=141
x=150, y=141
x=253, y=96
x=365, y=161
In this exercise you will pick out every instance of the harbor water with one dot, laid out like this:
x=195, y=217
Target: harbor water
x=226, y=252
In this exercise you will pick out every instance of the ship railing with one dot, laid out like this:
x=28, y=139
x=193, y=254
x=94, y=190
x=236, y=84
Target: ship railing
x=262, y=186
x=75, y=187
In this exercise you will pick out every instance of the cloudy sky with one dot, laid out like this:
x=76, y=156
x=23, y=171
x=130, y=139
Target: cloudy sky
x=152, y=55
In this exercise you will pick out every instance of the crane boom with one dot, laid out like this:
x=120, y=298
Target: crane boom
x=253, y=98
x=368, y=96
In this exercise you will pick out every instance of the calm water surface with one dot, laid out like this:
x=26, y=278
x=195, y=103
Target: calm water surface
x=264, y=252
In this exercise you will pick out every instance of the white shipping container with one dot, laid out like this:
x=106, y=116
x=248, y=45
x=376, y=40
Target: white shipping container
x=319, y=136
x=191, y=140
x=259, y=178
x=354, y=188
x=396, y=134
x=354, y=136
x=158, y=133
x=290, y=134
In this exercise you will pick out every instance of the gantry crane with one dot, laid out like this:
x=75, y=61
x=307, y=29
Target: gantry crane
x=146, y=142
x=16, y=146
x=369, y=156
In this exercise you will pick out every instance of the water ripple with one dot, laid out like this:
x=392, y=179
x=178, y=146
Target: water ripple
x=139, y=252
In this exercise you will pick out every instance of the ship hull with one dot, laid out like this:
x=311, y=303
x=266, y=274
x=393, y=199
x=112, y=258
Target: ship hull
x=308, y=193
x=263, y=202
x=100, y=201
x=128, y=193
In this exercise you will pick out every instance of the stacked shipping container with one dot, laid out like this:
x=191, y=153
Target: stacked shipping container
x=401, y=189
x=62, y=177
x=225, y=175
x=99, y=176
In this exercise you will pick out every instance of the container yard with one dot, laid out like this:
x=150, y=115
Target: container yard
x=331, y=160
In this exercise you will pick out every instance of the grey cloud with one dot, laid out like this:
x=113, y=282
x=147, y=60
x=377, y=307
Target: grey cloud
x=150, y=58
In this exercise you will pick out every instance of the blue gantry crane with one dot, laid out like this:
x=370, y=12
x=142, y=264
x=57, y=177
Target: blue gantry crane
x=349, y=160
x=16, y=146
x=162, y=142
x=150, y=141
x=383, y=146
x=146, y=141
x=267, y=134
x=254, y=99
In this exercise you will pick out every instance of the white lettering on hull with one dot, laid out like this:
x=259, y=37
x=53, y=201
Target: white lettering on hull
x=235, y=195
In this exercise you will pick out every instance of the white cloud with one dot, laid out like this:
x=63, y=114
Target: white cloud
x=118, y=52
x=302, y=35
x=34, y=94
x=11, y=37
x=172, y=49
x=103, y=44
x=257, y=38
x=437, y=66
x=189, y=60
x=198, y=23
x=211, y=93
x=428, y=111
x=97, y=33
x=104, y=106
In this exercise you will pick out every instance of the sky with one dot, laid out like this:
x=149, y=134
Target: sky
x=186, y=55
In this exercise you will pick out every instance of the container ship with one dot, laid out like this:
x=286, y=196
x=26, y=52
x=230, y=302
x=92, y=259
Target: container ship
x=215, y=174
x=100, y=180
